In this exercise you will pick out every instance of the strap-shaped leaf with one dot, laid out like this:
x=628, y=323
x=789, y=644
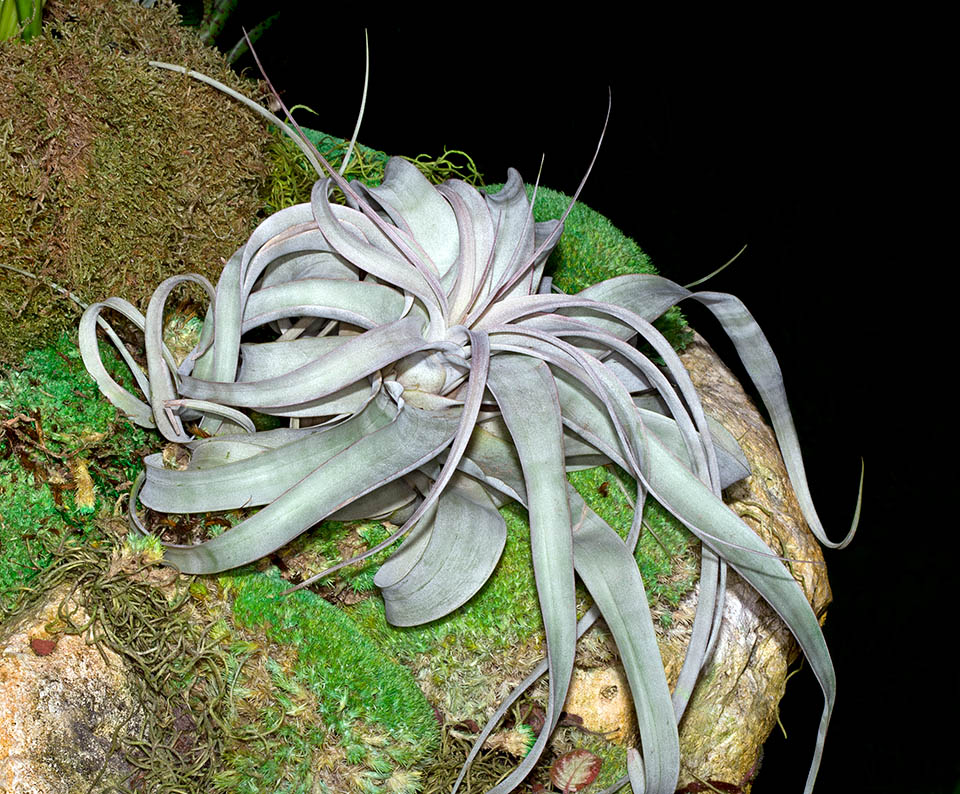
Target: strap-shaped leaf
x=359, y=303
x=609, y=571
x=136, y=409
x=617, y=408
x=525, y=391
x=415, y=206
x=274, y=226
x=205, y=408
x=635, y=772
x=374, y=460
x=311, y=264
x=580, y=407
x=265, y=360
x=627, y=373
x=709, y=518
x=764, y=370
x=649, y=296
x=342, y=366
x=497, y=462
x=584, y=412
x=222, y=326
x=378, y=504
x=221, y=330
x=404, y=559
x=299, y=239
x=706, y=624
x=477, y=237
x=583, y=366
x=639, y=294
x=731, y=461
x=480, y=356
x=259, y=478
x=265, y=439
x=465, y=543
x=388, y=267
x=221, y=450
x=598, y=408
x=516, y=235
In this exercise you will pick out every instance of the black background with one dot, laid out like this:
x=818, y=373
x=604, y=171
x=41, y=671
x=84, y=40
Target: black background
x=800, y=146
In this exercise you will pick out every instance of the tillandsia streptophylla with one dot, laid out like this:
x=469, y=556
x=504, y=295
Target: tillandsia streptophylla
x=429, y=375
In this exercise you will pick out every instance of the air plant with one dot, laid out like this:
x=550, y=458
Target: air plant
x=427, y=374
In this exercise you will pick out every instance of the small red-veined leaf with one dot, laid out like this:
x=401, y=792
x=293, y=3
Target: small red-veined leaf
x=575, y=770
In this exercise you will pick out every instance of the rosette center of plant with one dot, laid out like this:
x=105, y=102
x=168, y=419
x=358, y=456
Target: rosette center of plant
x=427, y=374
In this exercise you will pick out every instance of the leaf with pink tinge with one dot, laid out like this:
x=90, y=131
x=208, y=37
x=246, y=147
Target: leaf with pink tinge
x=575, y=770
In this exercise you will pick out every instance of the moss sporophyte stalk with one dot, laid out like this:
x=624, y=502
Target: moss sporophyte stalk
x=425, y=371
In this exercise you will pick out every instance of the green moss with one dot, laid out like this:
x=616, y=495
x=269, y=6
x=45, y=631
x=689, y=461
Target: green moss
x=354, y=687
x=54, y=428
x=28, y=516
x=113, y=174
x=275, y=688
x=292, y=176
x=54, y=382
x=480, y=624
x=335, y=657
